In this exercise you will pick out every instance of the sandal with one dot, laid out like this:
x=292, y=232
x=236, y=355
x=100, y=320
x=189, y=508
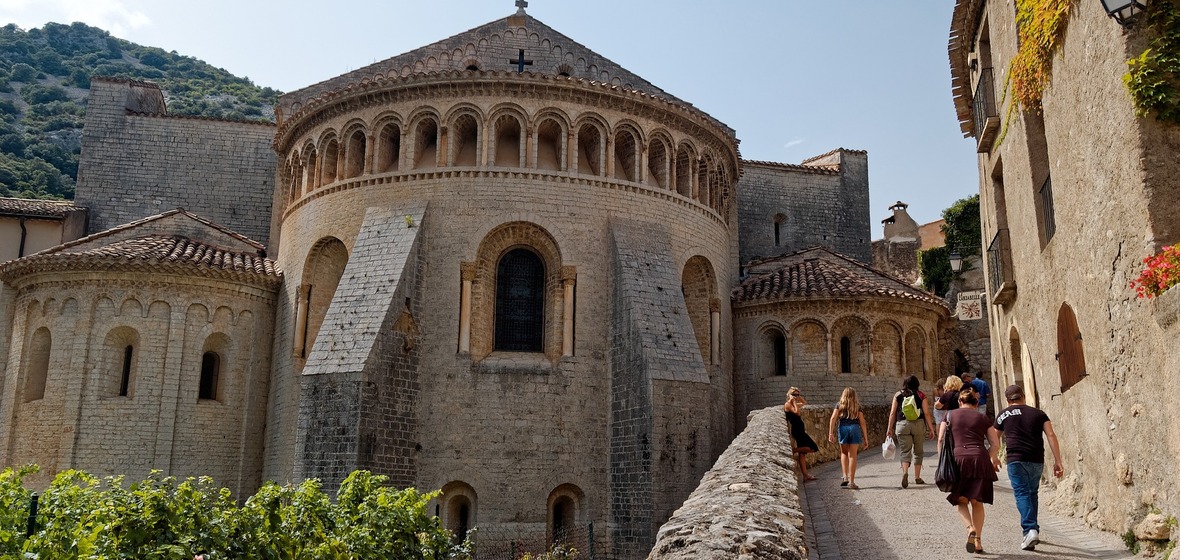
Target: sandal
x=971, y=538
x=843, y=481
x=979, y=546
x=853, y=486
x=919, y=481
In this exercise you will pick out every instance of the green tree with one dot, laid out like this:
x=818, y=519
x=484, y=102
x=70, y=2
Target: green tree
x=963, y=235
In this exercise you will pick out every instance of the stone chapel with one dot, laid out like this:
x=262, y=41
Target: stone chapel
x=499, y=265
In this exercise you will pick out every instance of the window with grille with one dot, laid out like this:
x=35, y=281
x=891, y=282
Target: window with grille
x=520, y=302
x=1047, y=209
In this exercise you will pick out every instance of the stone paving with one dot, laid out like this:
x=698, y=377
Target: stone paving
x=881, y=521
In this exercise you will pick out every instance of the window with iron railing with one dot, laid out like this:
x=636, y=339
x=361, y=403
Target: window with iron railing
x=1047, y=216
x=987, y=115
x=1001, y=283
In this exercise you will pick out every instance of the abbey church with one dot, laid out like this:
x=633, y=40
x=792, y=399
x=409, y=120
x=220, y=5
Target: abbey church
x=499, y=265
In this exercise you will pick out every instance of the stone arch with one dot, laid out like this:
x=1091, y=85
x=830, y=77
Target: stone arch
x=322, y=270
x=213, y=375
x=464, y=138
x=551, y=140
x=507, y=147
x=887, y=349
x=457, y=508
x=356, y=142
x=628, y=142
x=388, y=144
x=565, y=514
x=36, y=365
x=658, y=160
x=683, y=169
x=1022, y=369
x=494, y=246
x=698, y=282
x=425, y=129
x=330, y=159
x=916, y=353
x=850, y=345
x=771, y=351
x=1071, y=355
x=308, y=161
x=808, y=347
x=119, y=369
x=591, y=145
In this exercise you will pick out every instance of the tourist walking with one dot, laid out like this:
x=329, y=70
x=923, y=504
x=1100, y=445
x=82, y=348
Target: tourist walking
x=803, y=442
x=935, y=396
x=909, y=425
x=949, y=400
x=977, y=464
x=982, y=390
x=848, y=420
x=1021, y=426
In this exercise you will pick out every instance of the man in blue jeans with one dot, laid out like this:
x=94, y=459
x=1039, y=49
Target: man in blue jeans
x=1021, y=426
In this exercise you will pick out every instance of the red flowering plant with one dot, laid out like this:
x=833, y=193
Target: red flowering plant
x=1162, y=272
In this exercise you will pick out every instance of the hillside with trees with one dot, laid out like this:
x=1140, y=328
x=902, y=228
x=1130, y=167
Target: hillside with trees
x=44, y=82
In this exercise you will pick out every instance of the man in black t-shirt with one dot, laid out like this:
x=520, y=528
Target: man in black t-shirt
x=1021, y=426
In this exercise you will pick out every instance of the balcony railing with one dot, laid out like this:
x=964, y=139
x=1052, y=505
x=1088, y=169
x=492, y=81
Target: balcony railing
x=987, y=115
x=1001, y=282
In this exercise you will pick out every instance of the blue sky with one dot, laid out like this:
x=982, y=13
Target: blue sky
x=794, y=79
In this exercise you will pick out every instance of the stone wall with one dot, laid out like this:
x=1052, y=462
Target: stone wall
x=746, y=506
x=825, y=206
x=137, y=161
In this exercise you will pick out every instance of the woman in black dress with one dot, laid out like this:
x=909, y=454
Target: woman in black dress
x=977, y=464
x=803, y=442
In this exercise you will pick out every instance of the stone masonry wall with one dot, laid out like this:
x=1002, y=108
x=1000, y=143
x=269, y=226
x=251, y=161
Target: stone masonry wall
x=747, y=506
x=353, y=413
x=819, y=207
x=137, y=165
x=656, y=376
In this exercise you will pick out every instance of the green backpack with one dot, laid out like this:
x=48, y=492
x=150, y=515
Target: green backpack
x=910, y=409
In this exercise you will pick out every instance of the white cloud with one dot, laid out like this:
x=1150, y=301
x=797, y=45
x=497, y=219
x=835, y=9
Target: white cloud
x=794, y=142
x=112, y=15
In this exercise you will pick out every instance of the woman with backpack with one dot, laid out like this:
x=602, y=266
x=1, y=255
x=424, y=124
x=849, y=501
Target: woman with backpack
x=909, y=425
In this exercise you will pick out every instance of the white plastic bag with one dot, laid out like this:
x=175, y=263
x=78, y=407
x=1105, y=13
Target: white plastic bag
x=889, y=448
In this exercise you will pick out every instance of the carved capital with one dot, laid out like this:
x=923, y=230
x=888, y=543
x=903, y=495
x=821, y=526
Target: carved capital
x=304, y=291
x=467, y=271
x=569, y=274
x=715, y=305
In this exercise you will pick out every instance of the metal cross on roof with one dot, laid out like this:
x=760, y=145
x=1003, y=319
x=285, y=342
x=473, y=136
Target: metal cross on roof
x=520, y=62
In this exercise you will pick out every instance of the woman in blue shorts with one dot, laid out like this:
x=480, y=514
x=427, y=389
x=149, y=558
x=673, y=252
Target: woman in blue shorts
x=850, y=422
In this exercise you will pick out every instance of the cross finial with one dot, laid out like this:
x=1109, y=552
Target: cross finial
x=521, y=5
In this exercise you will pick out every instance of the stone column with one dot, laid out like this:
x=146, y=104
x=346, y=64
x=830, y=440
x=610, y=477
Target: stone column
x=370, y=153
x=715, y=331
x=301, y=299
x=527, y=159
x=467, y=275
x=569, y=275
x=609, y=146
x=831, y=366
x=444, y=147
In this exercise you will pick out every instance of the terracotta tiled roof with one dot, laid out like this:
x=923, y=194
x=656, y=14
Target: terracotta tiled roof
x=820, y=273
x=37, y=208
x=152, y=253
x=824, y=155
x=132, y=225
x=964, y=22
x=819, y=169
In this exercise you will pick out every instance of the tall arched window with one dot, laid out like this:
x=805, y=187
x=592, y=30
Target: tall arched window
x=520, y=302
x=845, y=355
x=210, y=371
x=125, y=373
x=37, y=369
x=778, y=229
x=563, y=519
x=779, y=344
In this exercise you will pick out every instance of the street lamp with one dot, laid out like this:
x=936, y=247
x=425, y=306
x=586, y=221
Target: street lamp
x=1124, y=11
x=956, y=261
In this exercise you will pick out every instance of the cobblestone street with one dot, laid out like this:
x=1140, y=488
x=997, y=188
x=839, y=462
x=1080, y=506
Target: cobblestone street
x=881, y=521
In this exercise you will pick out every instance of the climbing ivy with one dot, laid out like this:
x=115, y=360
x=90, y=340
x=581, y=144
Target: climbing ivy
x=1153, y=79
x=1040, y=29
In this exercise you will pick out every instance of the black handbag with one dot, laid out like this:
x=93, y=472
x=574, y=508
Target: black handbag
x=947, y=473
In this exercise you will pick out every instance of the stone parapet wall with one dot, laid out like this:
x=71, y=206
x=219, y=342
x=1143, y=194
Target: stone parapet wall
x=747, y=505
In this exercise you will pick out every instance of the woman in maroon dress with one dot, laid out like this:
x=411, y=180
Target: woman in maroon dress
x=977, y=464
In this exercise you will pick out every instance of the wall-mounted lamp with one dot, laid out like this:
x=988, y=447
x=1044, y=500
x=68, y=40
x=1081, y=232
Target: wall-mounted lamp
x=956, y=261
x=1124, y=11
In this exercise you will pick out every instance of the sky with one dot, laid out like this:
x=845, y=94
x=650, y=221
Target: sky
x=794, y=79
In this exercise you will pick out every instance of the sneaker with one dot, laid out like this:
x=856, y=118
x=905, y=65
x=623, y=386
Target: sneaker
x=905, y=479
x=1031, y=540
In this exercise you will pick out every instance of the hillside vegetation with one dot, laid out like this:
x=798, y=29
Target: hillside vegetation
x=44, y=82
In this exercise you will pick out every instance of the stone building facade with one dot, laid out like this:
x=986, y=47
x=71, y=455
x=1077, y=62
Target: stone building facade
x=1073, y=197
x=499, y=265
